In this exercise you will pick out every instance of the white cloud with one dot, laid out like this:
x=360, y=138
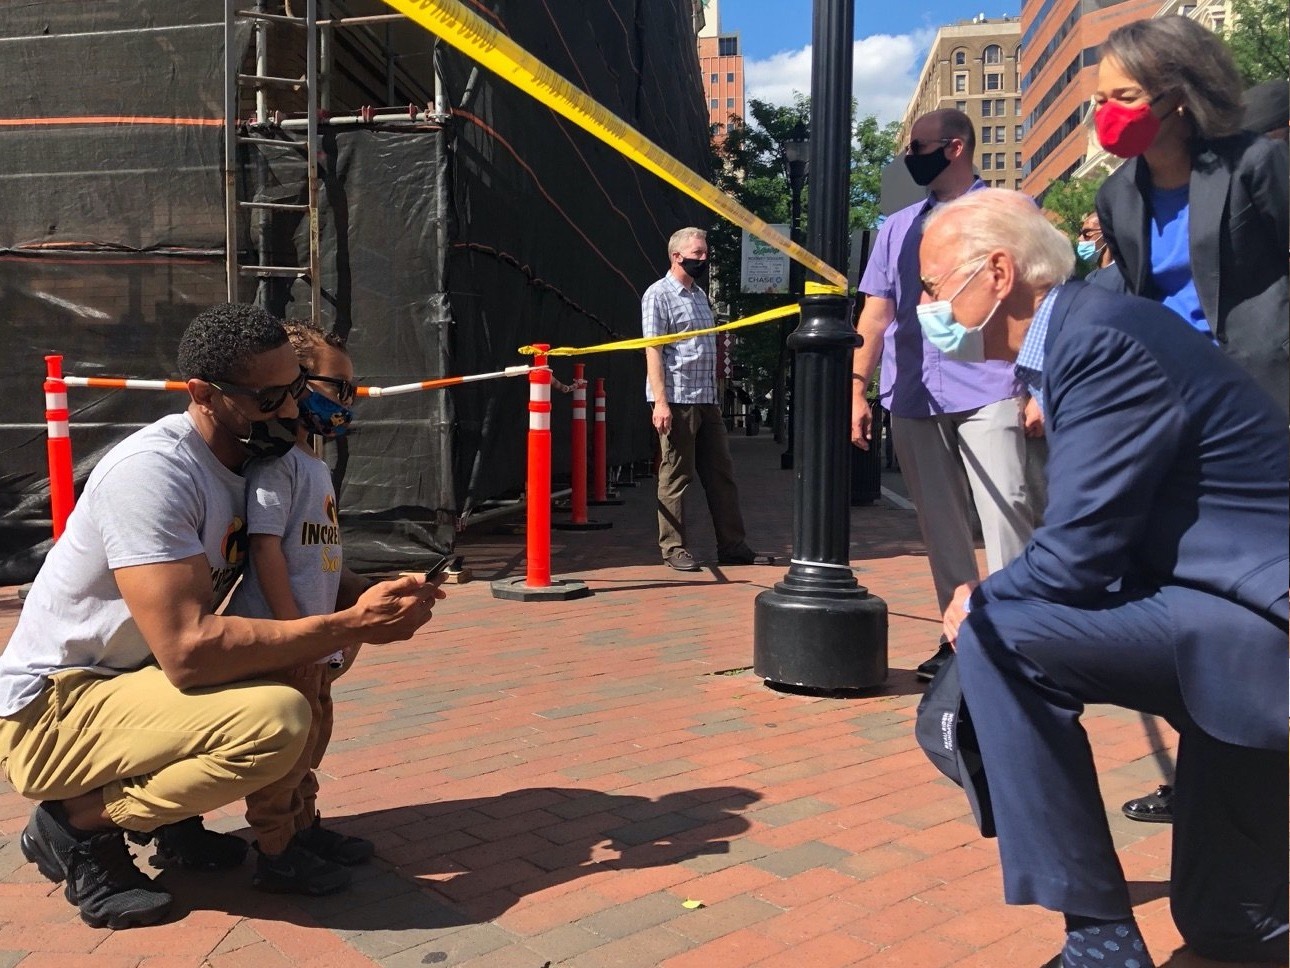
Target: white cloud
x=885, y=71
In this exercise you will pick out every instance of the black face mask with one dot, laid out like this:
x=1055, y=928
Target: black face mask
x=269, y=439
x=924, y=168
x=696, y=269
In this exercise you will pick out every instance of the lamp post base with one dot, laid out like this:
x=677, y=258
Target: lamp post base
x=835, y=640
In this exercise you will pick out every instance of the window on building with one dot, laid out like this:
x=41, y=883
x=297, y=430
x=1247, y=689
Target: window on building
x=960, y=106
x=713, y=104
x=960, y=58
x=1016, y=184
x=1000, y=107
x=985, y=135
x=960, y=83
x=994, y=54
x=1016, y=159
x=998, y=160
x=728, y=46
x=719, y=128
x=714, y=79
x=730, y=77
x=987, y=160
x=985, y=109
x=994, y=81
x=1000, y=134
x=1016, y=106
x=1018, y=131
x=730, y=102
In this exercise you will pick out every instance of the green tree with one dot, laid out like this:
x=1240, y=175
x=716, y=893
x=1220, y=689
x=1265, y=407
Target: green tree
x=1070, y=201
x=1260, y=39
x=873, y=146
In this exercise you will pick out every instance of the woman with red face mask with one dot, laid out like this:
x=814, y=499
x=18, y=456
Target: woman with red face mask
x=1196, y=218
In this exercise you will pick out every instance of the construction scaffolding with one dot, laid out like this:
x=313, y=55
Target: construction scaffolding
x=330, y=160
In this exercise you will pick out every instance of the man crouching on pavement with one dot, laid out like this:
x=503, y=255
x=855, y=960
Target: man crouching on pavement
x=1157, y=583
x=125, y=703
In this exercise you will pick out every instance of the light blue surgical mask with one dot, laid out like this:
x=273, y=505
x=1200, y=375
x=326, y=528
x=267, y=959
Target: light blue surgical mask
x=950, y=336
x=1086, y=249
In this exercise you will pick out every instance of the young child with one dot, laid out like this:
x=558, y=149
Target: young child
x=294, y=570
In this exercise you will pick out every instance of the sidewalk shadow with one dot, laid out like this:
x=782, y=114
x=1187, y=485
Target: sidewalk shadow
x=432, y=872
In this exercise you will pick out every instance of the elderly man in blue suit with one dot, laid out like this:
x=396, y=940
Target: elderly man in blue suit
x=1158, y=582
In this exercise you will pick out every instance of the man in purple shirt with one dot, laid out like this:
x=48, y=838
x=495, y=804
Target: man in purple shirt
x=956, y=426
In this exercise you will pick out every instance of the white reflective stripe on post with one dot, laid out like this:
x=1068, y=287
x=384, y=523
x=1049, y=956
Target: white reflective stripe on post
x=539, y=420
x=57, y=428
x=55, y=401
x=600, y=416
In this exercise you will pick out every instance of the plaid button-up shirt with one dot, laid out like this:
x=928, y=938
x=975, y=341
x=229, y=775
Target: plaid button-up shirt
x=689, y=365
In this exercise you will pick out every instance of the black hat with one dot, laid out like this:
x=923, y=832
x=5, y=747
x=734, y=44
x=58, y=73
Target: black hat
x=944, y=730
x=1267, y=106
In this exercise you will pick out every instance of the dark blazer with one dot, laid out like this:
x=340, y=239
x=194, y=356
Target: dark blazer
x=1239, y=217
x=1168, y=472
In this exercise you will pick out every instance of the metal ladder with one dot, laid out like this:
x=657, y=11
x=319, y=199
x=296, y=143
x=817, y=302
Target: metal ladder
x=235, y=82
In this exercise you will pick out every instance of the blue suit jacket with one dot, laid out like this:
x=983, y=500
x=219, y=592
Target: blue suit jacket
x=1168, y=473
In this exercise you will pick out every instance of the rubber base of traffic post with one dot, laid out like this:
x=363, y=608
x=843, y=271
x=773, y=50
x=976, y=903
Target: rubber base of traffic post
x=560, y=590
x=588, y=525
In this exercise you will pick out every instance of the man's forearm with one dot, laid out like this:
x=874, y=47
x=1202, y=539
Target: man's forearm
x=654, y=373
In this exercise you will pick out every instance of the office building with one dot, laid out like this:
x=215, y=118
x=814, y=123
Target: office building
x=721, y=64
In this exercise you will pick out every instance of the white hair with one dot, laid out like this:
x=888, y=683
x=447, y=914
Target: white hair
x=681, y=236
x=996, y=218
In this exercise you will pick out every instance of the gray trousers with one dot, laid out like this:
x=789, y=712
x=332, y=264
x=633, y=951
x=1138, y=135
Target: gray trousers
x=698, y=443
x=951, y=459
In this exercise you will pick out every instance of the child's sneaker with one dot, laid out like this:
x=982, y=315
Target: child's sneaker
x=189, y=844
x=335, y=847
x=297, y=871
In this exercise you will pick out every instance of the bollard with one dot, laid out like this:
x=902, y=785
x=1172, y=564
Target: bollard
x=578, y=520
x=536, y=585
x=61, y=491
x=599, y=452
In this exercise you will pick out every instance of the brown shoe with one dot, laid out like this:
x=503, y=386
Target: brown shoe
x=681, y=560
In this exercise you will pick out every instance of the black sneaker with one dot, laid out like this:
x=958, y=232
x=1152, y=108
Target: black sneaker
x=100, y=873
x=335, y=847
x=297, y=871
x=189, y=844
x=927, y=670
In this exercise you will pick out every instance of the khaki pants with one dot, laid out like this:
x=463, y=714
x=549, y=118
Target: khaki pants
x=287, y=805
x=159, y=755
x=698, y=443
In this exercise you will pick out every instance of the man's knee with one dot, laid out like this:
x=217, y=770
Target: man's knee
x=276, y=719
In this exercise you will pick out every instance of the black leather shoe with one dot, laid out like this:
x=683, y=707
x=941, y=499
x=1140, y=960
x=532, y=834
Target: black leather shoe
x=681, y=560
x=1155, y=807
x=927, y=670
x=745, y=556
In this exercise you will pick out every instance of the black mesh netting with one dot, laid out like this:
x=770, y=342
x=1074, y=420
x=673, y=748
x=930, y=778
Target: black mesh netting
x=445, y=246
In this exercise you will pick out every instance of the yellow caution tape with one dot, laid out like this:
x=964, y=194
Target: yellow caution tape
x=814, y=288
x=642, y=342
x=474, y=37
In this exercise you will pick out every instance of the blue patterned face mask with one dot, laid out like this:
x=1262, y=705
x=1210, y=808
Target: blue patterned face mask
x=321, y=415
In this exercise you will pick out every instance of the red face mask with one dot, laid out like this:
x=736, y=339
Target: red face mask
x=1124, y=131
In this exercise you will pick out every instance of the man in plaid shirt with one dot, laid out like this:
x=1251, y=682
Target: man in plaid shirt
x=681, y=385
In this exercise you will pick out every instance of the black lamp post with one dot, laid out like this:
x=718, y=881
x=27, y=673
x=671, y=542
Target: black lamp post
x=818, y=628
x=796, y=154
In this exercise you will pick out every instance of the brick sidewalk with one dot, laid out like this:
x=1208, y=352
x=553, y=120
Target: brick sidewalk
x=550, y=783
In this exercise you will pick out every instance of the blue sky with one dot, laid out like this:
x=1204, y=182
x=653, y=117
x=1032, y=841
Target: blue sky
x=892, y=40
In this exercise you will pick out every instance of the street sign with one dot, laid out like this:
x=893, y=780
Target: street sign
x=763, y=268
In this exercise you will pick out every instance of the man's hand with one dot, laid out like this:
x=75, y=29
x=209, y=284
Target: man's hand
x=392, y=611
x=662, y=417
x=956, y=611
x=1032, y=418
x=861, y=422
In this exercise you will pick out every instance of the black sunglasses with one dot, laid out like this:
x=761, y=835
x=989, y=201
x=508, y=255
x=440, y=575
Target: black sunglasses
x=267, y=399
x=345, y=391
x=916, y=147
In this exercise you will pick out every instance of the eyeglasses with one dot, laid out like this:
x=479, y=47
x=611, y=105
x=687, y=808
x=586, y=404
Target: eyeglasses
x=267, y=399
x=916, y=147
x=931, y=286
x=345, y=391
x=1089, y=233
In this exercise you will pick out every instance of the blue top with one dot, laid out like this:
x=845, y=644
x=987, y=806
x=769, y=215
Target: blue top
x=1171, y=255
x=917, y=379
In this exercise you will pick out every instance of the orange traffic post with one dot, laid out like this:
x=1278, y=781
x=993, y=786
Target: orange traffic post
x=599, y=452
x=61, y=491
x=537, y=584
x=578, y=520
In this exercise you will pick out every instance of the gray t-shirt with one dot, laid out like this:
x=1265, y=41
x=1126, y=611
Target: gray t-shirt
x=293, y=499
x=160, y=495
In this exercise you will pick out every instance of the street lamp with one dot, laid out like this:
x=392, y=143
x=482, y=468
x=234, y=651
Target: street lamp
x=796, y=155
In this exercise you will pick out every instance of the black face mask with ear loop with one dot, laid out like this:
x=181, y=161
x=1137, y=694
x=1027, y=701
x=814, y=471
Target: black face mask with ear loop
x=924, y=169
x=696, y=269
x=267, y=439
